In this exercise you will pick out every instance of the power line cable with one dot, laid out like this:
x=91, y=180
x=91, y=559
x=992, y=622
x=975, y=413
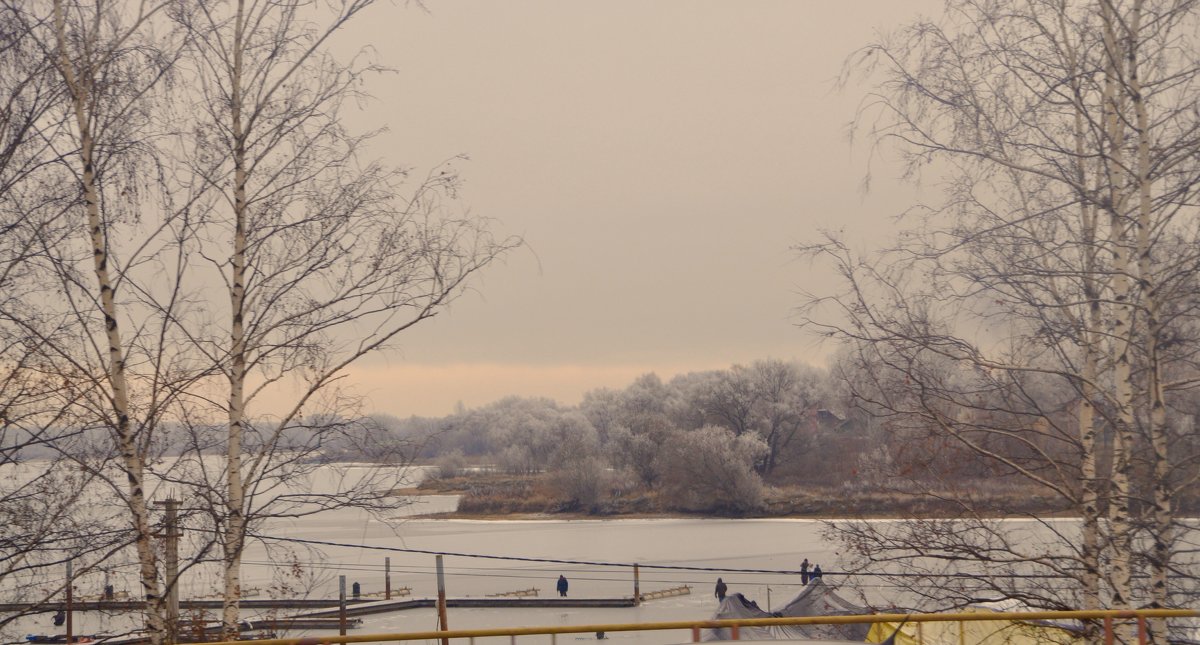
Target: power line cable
x=672, y=567
x=591, y=563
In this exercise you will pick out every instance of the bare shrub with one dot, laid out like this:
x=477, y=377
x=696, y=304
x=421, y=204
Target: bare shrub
x=451, y=464
x=582, y=483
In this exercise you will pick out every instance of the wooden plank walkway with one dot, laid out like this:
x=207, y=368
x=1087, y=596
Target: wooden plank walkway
x=520, y=593
x=401, y=592
x=683, y=590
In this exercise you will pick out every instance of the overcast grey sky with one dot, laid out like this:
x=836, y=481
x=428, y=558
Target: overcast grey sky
x=659, y=157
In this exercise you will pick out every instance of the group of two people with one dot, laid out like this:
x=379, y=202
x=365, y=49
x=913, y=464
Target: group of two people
x=805, y=576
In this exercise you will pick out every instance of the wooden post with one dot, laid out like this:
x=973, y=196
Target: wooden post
x=70, y=599
x=443, y=624
x=342, y=605
x=387, y=578
x=170, y=538
x=637, y=592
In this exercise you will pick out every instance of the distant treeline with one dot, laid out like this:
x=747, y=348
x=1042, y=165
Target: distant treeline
x=712, y=441
x=771, y=437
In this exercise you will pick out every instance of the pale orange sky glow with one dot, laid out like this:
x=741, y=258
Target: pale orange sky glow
x=434, y=390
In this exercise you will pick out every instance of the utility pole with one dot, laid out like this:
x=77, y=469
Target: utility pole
x=170, y=536
x=387, y=578
x=441, y=602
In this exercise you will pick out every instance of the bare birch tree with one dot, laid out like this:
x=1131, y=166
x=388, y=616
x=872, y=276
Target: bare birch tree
x=1063, y=132
x=91, y=255
x=326, y=259
x=158, y=161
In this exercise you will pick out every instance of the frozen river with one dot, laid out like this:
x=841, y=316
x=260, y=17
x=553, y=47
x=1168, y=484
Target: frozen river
x=718, y=544
x=355, y=545
x=359, y=544
x=724, y=545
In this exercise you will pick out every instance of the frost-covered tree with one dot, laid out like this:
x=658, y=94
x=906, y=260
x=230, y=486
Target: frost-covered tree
x=787, y=394
x=712, y=469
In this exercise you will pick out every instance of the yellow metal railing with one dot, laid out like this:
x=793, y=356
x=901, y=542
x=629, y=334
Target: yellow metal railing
x=1108, y=616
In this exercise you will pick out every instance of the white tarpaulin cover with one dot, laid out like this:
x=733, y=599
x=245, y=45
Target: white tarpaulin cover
x=817, y=599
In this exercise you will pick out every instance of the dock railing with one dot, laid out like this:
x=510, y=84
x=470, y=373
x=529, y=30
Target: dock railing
x=1108, y=617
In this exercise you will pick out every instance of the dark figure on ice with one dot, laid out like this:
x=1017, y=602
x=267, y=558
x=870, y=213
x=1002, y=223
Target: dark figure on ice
x=356, y=590
x=60, y=618
x=562, y=586
x=816, y=572
x=804, y=572
x=721, y=588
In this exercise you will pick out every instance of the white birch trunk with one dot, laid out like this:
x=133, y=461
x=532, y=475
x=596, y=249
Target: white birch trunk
x=132, y=462
x=1089, y=502
x=1089, y=491
x=1162, y=521
x=1121, y=524
x=235, y=518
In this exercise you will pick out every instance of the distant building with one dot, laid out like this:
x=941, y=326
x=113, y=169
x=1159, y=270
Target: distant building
x=828, y=421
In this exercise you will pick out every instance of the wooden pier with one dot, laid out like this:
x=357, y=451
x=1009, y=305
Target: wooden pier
x=323, y=614
x=329, y=606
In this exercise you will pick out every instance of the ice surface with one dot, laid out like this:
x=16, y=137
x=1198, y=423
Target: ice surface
x=362, y=543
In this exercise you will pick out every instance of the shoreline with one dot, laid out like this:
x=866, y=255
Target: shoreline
x=497, y=497
x=534, y=517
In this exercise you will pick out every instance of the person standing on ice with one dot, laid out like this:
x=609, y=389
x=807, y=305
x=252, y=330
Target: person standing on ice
x=562, y=586
x=804, y=572
x=721, y=588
